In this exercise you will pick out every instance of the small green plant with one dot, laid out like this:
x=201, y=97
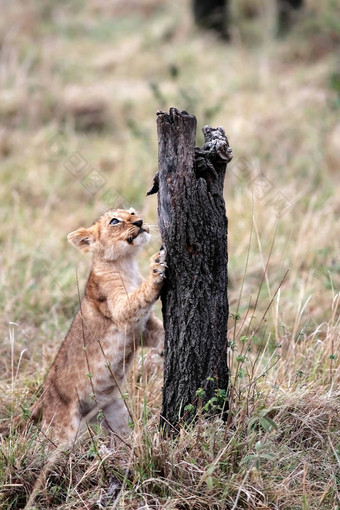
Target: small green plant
x=260, y=454
x=262, y=420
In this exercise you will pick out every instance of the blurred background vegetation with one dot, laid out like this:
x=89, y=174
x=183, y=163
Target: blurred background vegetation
x=80, y=83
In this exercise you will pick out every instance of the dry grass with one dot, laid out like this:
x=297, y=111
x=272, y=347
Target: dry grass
x=79, y=86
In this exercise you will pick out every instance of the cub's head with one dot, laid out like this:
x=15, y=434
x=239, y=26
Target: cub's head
x=116, y=234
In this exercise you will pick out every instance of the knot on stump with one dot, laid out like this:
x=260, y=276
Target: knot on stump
x=216, y=144
x=210, y=159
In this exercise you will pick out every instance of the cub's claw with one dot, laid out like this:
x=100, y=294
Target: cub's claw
x=158, y=267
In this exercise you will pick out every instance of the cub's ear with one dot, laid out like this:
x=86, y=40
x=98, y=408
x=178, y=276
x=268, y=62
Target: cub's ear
x=82, y=238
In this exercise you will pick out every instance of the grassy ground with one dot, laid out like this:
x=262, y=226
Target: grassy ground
x=80, y=83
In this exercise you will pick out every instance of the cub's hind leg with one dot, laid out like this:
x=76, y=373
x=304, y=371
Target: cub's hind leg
x=153, y=334
x=61, y=415
x=116, y=420
x=65, y=424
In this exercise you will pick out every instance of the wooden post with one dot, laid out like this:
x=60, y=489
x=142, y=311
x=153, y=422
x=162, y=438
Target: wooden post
x=193, y=225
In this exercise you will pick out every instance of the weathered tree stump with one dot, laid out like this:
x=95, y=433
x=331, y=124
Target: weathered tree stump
x=193, y=225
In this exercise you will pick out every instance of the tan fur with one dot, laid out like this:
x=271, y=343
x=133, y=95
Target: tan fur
x=115, y=316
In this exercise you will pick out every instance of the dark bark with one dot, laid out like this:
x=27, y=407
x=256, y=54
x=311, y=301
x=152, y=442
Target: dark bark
x=193, y=225
x=212, y=15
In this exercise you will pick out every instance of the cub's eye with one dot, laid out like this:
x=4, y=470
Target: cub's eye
x=114, y=221
x=132, y=213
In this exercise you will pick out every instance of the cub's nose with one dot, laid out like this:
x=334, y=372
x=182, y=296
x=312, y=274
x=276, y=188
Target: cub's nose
x=138, y=223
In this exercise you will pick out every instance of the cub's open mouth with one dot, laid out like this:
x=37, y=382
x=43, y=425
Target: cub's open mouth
x=131, y=238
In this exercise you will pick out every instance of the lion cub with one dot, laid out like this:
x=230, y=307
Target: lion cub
x=114, y=318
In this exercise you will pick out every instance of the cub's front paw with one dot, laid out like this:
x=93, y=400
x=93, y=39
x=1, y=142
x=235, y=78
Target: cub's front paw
x=158, y=267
